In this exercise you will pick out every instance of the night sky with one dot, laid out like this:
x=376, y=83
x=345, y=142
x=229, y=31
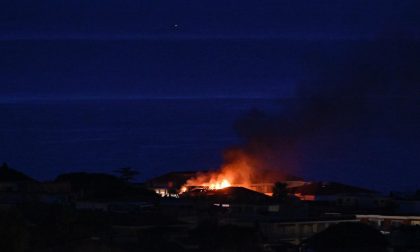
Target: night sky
x=106, y=48
x=349, y=71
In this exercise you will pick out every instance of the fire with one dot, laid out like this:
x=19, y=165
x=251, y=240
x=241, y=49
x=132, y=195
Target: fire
x=219, y=185
x=236, y=172
x=240, y=169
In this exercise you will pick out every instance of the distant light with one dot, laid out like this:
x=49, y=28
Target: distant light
x=221, y=205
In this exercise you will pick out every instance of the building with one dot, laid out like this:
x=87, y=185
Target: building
x=17, y=188
x=169, y=184
x=387, y=222
x=298, y=230
x=341, y=195
x=346, y=236
x=114, y=206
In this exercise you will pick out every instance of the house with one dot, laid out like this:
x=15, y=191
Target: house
x=55, y=193
x=387, y=222
x=340, y=195
x=264, y=180
x=231, y=194
x=17, y=188
x=114, y=206
x=13, y=181
x=347, y=236
x=327, y=191
x=169, y=184
x=295, y=231
x=103, y=187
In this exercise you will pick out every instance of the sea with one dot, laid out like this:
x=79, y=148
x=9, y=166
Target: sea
x=48, y=137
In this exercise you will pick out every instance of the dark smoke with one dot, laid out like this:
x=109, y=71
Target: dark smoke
x=366, y=89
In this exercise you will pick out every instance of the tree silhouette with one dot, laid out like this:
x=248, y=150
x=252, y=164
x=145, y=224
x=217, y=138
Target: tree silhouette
x=127, y=173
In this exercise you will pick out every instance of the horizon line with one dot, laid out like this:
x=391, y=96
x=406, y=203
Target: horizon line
x=197, y=37
x=5, y=99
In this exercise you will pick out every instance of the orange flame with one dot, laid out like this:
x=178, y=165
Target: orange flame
x=219, y=185
x=236, y=172
x=240, y=169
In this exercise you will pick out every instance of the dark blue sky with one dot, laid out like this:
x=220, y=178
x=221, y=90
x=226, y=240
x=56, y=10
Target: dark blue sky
x=165, y=48
x=359, y=57
x=205, y=19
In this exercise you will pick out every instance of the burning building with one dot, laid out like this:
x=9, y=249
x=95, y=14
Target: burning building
x=220, y=180
x=175, y=183
x=241, y=170
x=170, y=184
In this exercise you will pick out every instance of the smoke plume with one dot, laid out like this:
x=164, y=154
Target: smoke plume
x=359, y=89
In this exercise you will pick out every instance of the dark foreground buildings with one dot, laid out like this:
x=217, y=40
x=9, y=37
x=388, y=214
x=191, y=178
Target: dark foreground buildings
x=83, y=212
